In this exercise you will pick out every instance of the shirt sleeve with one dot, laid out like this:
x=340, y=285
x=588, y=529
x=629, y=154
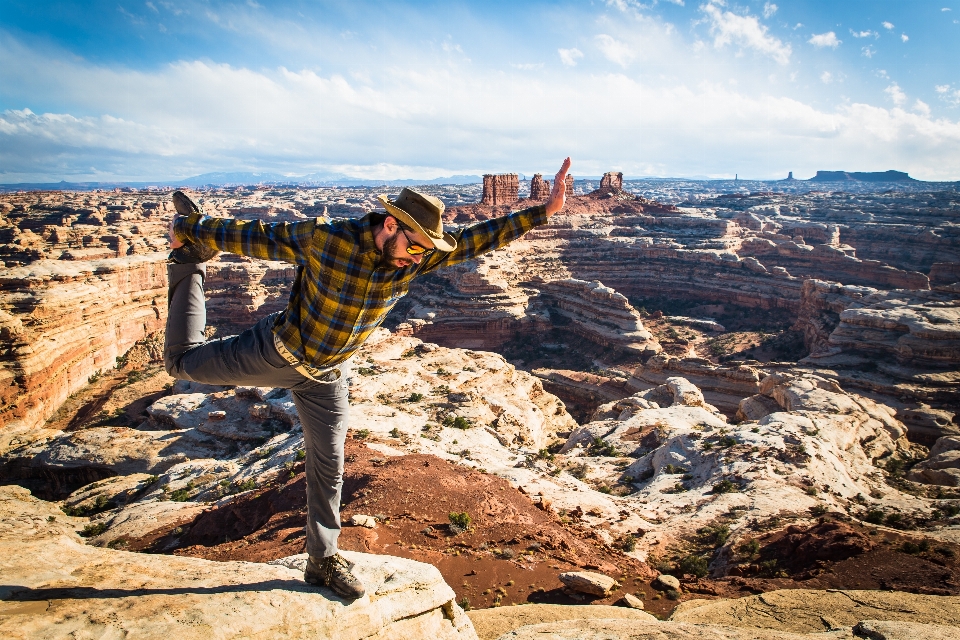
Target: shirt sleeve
x=285, y=241
x=481, y=237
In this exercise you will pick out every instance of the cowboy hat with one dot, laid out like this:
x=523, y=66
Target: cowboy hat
x=422, y=213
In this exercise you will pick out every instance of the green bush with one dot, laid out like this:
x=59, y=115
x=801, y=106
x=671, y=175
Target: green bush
x=301, y=454
x=93, y=530
x=874, y=516
x=415, y=397
x=461, y=520
x=395, y=433
x=694, y=565
x=725, y=486
x=247, y=485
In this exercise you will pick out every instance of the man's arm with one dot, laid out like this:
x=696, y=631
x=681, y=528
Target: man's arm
x=488, y=235
x=285, y=241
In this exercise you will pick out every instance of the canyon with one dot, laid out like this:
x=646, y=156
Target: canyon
x=744, y=392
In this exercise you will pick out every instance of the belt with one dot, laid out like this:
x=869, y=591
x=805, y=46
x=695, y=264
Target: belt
x=330, y=374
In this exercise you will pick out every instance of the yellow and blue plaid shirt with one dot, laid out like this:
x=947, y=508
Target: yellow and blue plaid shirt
x=340, y=294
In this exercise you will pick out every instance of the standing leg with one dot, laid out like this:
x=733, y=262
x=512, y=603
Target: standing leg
x=323, y=413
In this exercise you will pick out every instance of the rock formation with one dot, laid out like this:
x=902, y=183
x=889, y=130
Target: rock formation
x=568, y=184
x=539, y=188
x=612, y=181
x=500, y=188
x=55, y=585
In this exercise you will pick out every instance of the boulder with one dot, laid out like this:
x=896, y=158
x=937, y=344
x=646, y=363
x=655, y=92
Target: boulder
x=632, y=601
x=589, y=582
x=56, y=586
x=665, y=581
x=942, y=466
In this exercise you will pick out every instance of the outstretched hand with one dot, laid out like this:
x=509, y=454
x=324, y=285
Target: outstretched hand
x=558, y=194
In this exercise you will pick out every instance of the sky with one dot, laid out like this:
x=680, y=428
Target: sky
x=105, y=90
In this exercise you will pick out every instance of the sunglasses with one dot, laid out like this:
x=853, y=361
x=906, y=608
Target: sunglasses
x=412, y=247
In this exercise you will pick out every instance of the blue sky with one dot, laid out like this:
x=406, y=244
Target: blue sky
x=108, y=90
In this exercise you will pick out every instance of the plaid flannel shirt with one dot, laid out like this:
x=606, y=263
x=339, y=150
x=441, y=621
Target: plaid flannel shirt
x=340, y=295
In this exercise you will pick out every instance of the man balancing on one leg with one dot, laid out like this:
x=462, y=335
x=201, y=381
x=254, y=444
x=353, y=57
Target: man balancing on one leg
x=350, y=273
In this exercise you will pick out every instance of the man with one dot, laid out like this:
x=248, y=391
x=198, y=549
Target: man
x=350, y=274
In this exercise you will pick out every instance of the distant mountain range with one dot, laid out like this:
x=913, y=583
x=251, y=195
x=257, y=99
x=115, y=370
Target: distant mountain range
x=241, y=178
x=862, y=176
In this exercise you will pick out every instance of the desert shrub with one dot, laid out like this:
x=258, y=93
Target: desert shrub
x=394, y=433
x=946, y=552
x=716, y=535
x=361, y=434
x=182, y=495
x=725, y=486
x=914, y=548
x=415, y=397
x=749, y=548
x=694, y=565
x=601, y=448
x=628, y=543
x=96, y=376
x=93, y=530
x=727, y=441
x=874, y=516
x=459, y=522
x=301, y=454
x=366, y=371
x=578, y=471
x=464, y=603
x=819, y=510
x=673, y=594
x=247, y=485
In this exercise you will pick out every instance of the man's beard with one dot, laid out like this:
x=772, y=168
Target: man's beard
x=387, y=259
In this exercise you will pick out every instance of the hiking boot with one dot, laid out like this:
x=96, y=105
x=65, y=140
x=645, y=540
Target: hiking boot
x=190, y=252
x=334, y=572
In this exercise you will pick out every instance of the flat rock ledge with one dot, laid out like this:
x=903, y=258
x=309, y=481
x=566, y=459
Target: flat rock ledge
x=54, y=585
x=639, y=630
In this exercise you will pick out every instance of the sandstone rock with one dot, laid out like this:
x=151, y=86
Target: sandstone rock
x=539, y=188
x=632, y=601
x=612, y=180
x=665, y=581
x=653, y=630
x=88, y=590
x=943, y=465
x=492, y=623
x=803, y=610
x=363, y=521
x=589, y=582
x=109, y=493
x=500, y=189
x=880, y=630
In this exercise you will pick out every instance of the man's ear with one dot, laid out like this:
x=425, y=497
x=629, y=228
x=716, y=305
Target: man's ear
x=390, y=225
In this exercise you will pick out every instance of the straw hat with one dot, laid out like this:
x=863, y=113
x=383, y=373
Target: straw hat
x=421, y=213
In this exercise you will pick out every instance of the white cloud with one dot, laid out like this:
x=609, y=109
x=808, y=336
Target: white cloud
x=941, y=88
x=896, y=94
x=569, y=57
x=614, y=50
x=868, y=51
x=922, y=107
x=864, y=34
x=887, y=25
x=945, y=9
x=769, y=9
x=387, y=122
x=828, y=39
x=527, y=66
x=904, y=37
x=745, y=31
x=826, y=77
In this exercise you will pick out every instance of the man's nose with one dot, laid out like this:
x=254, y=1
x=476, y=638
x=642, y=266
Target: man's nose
x=416, y=259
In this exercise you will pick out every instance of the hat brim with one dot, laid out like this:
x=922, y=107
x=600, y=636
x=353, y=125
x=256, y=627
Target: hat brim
x=446, y=243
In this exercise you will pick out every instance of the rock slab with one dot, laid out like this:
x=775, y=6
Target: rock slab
x=56, y=586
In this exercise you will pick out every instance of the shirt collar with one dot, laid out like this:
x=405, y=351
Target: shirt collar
x=366, y=242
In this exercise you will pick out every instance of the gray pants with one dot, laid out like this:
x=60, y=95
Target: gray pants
x=251, y=359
